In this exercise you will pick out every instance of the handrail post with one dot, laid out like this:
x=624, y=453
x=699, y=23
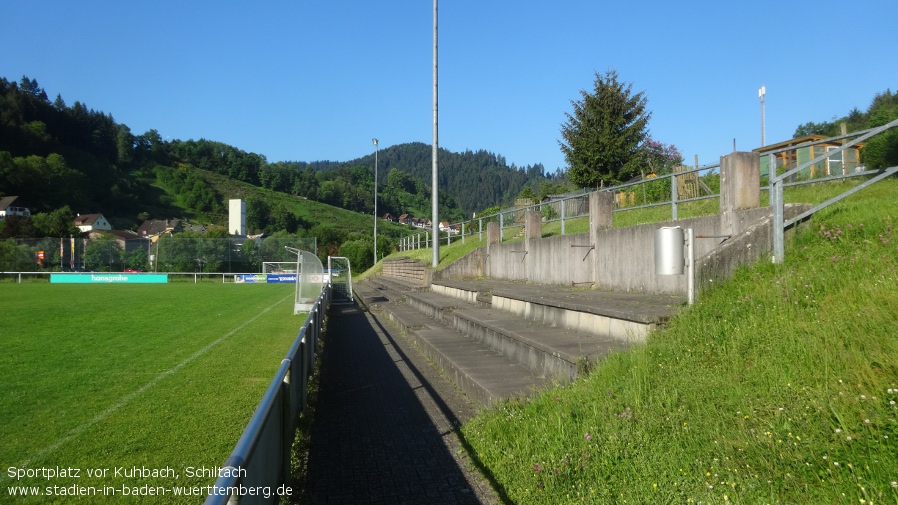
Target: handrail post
x=673, y=196
x=776, y=203
x=501, y=225
x=563, y=206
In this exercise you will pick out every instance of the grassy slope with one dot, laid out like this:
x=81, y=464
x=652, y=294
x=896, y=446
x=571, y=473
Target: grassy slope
x=308, y=210
x=777, y=387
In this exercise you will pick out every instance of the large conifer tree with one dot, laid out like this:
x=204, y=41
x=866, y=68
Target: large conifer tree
x=604, y=133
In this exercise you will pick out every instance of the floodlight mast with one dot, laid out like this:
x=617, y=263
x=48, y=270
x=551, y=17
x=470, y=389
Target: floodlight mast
x=434, y=169
x=761, y=93
x=375, y=200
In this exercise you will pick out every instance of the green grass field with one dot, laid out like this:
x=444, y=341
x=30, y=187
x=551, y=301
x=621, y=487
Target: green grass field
x=116, y=376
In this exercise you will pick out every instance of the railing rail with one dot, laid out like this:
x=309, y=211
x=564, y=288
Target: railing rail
x=507, y=221
x=777, y=183
x=258, y=469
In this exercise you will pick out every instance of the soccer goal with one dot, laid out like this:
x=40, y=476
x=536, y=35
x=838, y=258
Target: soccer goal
x=279, y=267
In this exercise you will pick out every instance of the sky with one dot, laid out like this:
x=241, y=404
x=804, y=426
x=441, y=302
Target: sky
x=304, y=80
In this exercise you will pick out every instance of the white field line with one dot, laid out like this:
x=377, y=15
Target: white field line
x=134, y=394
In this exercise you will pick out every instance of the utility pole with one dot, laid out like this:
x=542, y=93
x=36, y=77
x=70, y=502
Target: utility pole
x=434, y=172
x=375, y=201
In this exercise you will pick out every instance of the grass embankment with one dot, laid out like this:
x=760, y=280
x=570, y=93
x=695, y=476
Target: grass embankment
x=115, y=376
x=779, y=386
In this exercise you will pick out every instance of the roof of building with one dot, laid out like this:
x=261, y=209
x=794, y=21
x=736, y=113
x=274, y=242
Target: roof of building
x=7, y=202
x=87, y=219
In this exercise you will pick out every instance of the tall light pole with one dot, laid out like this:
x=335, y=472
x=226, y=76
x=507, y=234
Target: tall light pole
x=375, y=200
x=761, y=93
x=434, y=172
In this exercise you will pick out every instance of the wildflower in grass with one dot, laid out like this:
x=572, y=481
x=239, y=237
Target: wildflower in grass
x=537, y=468
x=588, y=437
x=894, y=484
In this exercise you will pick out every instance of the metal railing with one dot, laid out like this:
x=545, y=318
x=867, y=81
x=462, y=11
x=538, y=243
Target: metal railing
x=189, y=277
x=777, y=182
x=569, y=206
x=258, y=469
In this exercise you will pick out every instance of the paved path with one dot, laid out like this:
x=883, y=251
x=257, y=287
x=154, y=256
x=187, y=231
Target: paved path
x=384, y=425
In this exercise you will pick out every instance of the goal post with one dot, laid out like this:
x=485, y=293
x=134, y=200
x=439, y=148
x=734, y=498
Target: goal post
x=279, y=267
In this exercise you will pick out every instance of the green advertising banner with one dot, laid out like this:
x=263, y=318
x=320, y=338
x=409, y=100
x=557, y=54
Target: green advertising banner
x=108, y=278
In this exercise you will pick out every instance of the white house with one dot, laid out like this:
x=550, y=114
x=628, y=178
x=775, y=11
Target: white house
x=92, y=222
x=9, y=208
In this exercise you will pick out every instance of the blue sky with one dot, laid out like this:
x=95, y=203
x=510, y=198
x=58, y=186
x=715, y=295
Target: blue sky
x=316, y=80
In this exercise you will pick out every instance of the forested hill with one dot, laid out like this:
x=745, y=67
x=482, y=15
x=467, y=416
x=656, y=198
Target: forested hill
x=53, y=155
x=474, y=179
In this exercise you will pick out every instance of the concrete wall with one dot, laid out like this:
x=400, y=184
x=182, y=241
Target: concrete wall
x=623, y=259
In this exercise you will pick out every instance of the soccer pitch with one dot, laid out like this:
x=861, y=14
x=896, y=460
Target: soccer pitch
x=112, y=392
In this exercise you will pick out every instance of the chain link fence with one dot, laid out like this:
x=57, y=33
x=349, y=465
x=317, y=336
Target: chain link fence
x=107, y=253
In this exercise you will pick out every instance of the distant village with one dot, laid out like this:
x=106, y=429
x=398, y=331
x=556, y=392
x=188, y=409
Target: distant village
x=96, y=225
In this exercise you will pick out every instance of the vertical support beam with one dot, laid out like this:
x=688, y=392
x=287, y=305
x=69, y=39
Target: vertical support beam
x=501, y=225
x=533, y=225
x=740, y=187
x=673, y=197
x=601, y=218
x=690, y=264
x=493, y=233
x=776, y=205
x=563, y=207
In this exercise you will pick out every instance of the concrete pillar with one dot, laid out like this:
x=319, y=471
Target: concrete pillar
x=740, y=182
x=492, y=232
x=601, y=209
x=740, y=187
x=533, y=225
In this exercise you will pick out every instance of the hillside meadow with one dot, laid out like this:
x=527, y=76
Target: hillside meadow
x=779, y=386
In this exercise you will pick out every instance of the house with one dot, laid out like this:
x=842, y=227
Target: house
x=9, y=207
x=127, y=239
x=405, y=219
x=152, y=228
x=91, y=222
x=388, y=217
x=795, y=152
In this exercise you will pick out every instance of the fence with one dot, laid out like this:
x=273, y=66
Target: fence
x=259, y=467
x=657, y=191
x=169, y=253
x=190, y=277
x=778, y=181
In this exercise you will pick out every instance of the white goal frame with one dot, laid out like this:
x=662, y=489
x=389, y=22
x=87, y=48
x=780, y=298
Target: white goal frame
x=279, y=267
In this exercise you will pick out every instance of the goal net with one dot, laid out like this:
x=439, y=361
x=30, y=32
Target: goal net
x=279, y=267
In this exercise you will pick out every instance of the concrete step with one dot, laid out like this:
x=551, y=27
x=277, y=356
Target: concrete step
x=556, y=353
x=627, y=317
x=369, y=294
x=486, y=376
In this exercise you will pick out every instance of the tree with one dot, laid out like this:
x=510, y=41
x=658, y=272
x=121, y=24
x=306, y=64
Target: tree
x=104, y=253
x=658, y=158
x=604, y=132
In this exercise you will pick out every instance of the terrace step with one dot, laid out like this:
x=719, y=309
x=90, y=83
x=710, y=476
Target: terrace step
x=481, y=331
x=485, y=375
